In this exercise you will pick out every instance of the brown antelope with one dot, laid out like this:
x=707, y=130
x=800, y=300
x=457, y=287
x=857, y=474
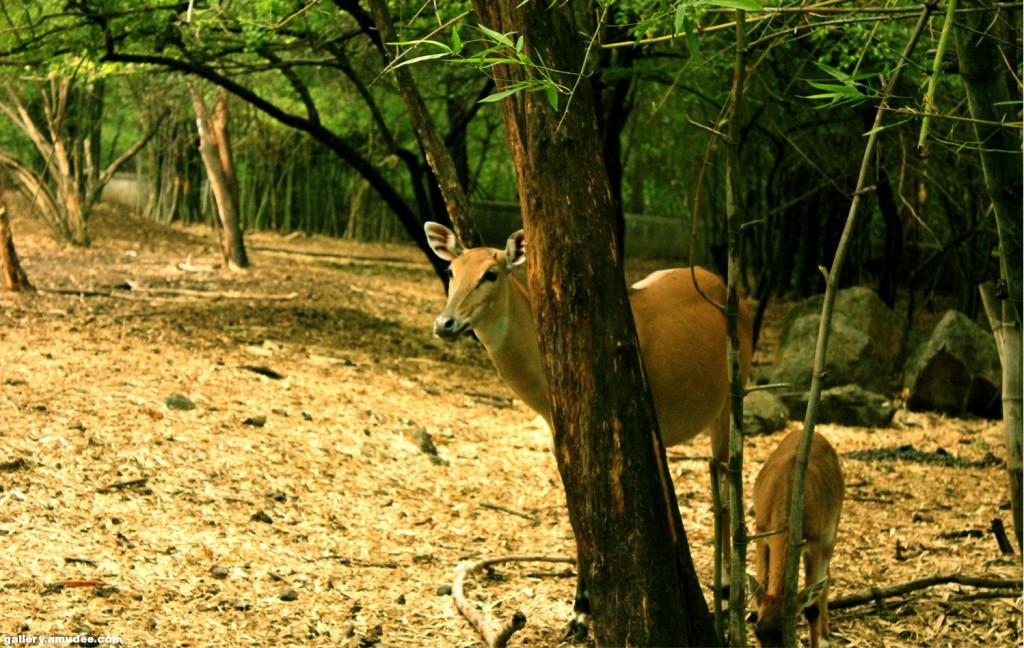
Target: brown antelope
x=823, y=500
x=682, y=338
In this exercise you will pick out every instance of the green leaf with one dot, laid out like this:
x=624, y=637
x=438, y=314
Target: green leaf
x=679, y=20
x=498, y=96
x=497, y=37
x=417, y=59
x=552, y=92
x=690, y=37
x=456, y=40
x=745, y=5
x=416, y=43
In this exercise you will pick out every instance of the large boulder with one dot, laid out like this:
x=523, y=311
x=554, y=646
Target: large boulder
x=763, y=413
x=864, y=348
x=956, y=371
x=849, y=405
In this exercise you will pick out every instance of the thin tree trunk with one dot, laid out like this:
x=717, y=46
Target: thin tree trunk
x=796, y=511
x=984, y=72
x=1008, y=340
x=737, y=526
x=69, y=149
x=438, y=156
x=982, y=67
x=215, y=148
x=15, y=279
x=632, y=548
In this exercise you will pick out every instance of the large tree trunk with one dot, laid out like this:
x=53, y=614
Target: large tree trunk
x=14, y=275
x=630, y=540
x=215, y=148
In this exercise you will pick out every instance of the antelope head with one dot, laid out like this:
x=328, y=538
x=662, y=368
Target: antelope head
x=477, y=290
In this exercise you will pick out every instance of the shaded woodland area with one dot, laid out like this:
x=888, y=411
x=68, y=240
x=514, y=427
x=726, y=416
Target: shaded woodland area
x=780, y=145
x=320, y=139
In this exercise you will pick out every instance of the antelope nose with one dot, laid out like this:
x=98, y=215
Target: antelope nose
x=445, y=326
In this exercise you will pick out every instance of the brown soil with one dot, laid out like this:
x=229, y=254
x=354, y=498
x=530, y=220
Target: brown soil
x=120, y=516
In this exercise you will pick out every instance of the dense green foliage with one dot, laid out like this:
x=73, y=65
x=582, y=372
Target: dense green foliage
x=323, y=143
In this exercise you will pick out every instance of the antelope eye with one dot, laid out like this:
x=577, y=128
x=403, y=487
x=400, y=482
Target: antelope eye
x=490, y=275
x=451, y=275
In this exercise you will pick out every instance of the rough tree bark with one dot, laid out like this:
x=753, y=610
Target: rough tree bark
x=631, y=545
x=215, y=148
x=15, y=279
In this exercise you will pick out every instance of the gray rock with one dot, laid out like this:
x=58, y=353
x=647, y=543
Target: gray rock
x=763, y=413
x=956, y=371
x=865, y=345
x=179, y=402
x=849, y=405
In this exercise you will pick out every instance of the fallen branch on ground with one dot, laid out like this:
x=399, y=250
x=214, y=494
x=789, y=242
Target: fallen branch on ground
x=878, y=594
x=131, y=483
x=157, y=292
x=504, y=509
x=476, y=617
x=188, y=266
x=352, y=258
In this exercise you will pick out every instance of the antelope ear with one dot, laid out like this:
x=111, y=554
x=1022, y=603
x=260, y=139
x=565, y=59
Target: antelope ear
x=442, y=240
x=811, y=593
x=515, y=250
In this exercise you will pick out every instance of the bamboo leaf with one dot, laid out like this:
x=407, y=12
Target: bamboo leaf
x=498, y=96
x=679, y=19
x=456, y=40
x=497, y=37
x=418, y=59
x=745, y=5
x=689, y=36
x=552, y=92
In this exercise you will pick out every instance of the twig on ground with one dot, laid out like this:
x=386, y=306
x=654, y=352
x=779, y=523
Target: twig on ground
x=680, y=455
x=349, y=562
x=132, y=483
x=999, y=531
x=158, y=292
x=476, y=617
x=502, y=402
x=352, y=258
x=504, y=509
x=188, y=266
x=878, y=594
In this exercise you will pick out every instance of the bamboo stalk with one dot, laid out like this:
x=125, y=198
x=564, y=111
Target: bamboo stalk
x=796, y=513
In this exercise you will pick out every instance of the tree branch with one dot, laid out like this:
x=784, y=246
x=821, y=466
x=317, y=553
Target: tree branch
x=879, y=594
x=476, y=617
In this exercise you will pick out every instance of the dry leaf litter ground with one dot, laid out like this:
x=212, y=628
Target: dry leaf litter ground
x=302, y=510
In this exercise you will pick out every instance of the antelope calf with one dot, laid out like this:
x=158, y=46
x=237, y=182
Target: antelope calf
x=682, y=338
x=823, y=500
